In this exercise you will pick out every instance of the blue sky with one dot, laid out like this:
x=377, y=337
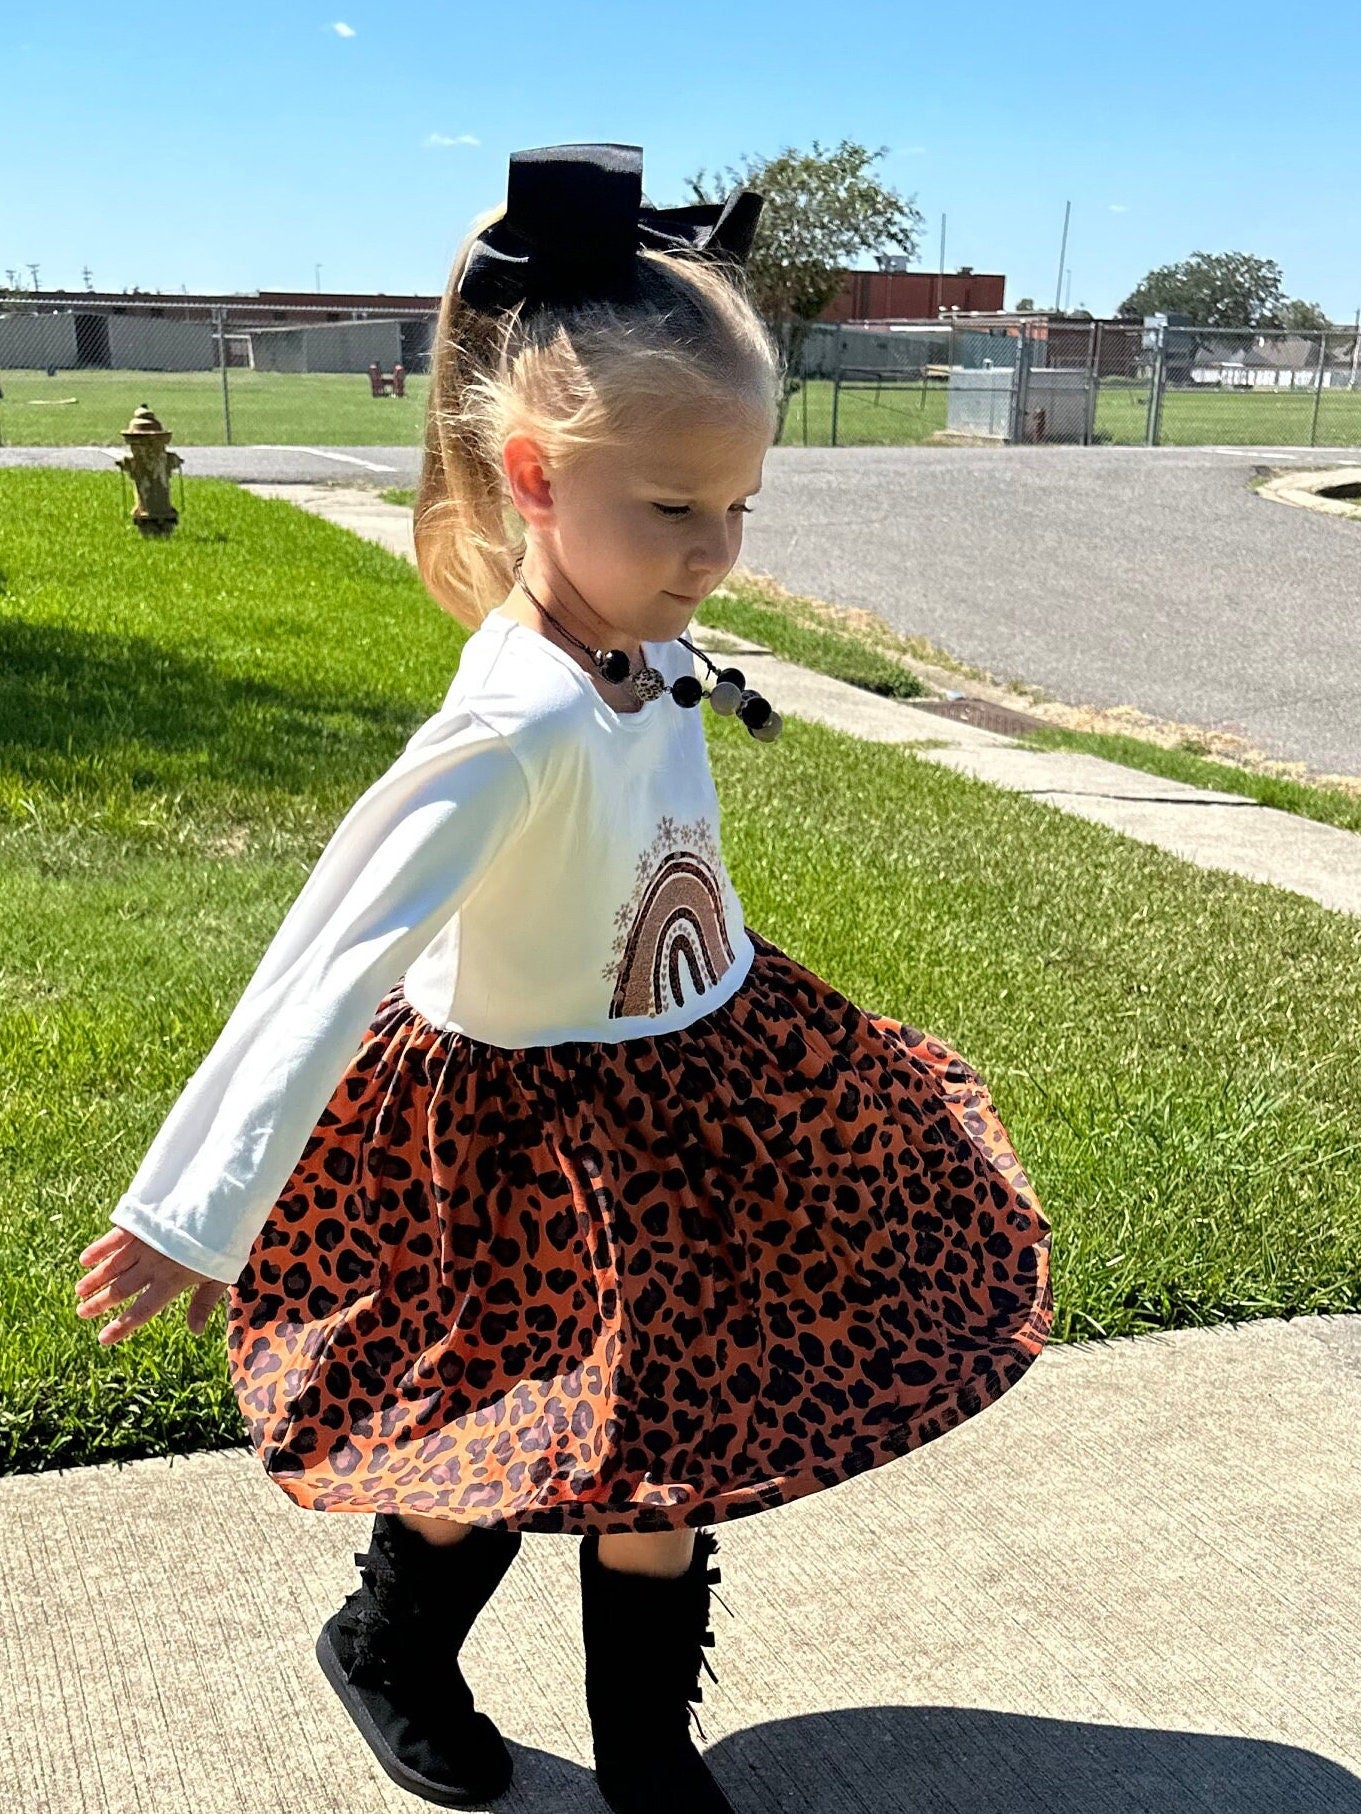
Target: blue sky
x=366, y=138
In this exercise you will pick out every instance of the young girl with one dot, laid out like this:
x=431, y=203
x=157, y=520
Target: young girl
x=551, y=1196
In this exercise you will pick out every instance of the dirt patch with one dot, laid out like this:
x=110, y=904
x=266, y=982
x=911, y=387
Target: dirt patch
x=956, y=437
x=233, y=841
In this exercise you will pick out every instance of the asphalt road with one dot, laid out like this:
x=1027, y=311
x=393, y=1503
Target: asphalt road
x=1150, y=577
x=254, y=464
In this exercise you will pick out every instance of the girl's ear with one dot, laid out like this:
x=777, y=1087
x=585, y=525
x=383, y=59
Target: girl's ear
x=530, y=490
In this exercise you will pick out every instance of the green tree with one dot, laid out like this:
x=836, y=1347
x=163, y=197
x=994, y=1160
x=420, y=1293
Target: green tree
x=1215, y=289
x=823, y=209
x=1303, y=316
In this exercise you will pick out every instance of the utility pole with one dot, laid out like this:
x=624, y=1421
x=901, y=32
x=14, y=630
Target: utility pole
x=318, y=270
x=88, y=275
x=1063, y=253
x=34, y=270
x=940, y=285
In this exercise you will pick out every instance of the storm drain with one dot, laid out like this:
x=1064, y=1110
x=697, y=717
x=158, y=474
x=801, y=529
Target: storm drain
x=982, y=713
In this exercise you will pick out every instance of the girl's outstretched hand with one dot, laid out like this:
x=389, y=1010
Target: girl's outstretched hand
x=123, y=1265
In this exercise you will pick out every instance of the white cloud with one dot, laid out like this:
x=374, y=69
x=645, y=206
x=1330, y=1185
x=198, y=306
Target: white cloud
x=1117, y=207
x=342, y=30
x=442, y=138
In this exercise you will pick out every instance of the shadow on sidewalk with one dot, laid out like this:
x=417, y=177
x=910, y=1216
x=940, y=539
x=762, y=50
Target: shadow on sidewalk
x=970, y=1760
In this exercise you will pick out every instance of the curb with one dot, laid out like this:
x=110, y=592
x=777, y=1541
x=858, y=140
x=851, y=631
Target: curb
x=1213, y=830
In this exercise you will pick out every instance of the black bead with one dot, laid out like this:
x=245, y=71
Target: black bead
x=753, y=709
x=686, y=689
x=735, y=675
x=614, y=664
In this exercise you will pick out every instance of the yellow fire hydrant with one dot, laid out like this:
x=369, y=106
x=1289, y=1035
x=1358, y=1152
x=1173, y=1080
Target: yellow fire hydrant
x=149, y=464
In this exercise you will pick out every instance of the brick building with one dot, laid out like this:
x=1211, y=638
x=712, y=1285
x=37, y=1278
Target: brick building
x=914, y=295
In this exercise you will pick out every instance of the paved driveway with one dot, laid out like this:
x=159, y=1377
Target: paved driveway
x=1149, y=577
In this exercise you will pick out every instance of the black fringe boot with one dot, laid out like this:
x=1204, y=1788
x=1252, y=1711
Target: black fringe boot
x=391, y=1654
x=645, y=1637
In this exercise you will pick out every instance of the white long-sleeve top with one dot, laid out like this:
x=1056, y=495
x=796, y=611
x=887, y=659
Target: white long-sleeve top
x=534, y=867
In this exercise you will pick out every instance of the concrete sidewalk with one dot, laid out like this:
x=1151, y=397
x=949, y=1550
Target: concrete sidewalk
x=1128, y=1587
x=1215, y=830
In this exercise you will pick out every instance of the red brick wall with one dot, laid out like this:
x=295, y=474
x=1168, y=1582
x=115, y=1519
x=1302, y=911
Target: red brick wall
x=915, y=295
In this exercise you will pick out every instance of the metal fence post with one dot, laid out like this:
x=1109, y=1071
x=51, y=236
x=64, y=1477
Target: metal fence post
x=1318, y=386
x=1155, y=390
x=220, y=322
x=1020, y=386
x=803, y=380
x=836, y=393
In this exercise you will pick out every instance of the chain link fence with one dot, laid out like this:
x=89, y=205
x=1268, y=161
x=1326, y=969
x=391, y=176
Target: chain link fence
x=1085, y=382
x=261, y=373
x=215, y=374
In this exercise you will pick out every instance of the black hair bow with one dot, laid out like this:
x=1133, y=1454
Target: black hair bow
x=575, y=219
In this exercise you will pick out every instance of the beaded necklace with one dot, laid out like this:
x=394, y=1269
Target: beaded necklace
x=729, y=695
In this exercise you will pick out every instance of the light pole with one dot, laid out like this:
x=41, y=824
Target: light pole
x=1063, y=253
x=940, y=286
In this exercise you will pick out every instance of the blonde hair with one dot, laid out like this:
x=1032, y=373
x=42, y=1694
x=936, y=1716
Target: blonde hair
x=685, y=339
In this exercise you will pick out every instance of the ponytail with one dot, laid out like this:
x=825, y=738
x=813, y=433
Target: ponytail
x=463, y=549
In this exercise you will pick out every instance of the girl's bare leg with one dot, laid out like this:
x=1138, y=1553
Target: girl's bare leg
x=435, y=1530
x=648, y=1552
x=633, y=1552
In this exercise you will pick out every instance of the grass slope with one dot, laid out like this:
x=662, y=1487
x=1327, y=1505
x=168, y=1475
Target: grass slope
x=1176, y=1052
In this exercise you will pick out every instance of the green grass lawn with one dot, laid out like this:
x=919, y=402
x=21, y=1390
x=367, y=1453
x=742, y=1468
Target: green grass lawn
x=87, y=407
x=903, y=416
x=1176, y=1052
x=317, y=408
x=899, y=416
x=1196, y=416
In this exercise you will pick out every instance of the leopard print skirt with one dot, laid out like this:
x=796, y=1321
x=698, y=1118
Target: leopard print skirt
x=639, y=1285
